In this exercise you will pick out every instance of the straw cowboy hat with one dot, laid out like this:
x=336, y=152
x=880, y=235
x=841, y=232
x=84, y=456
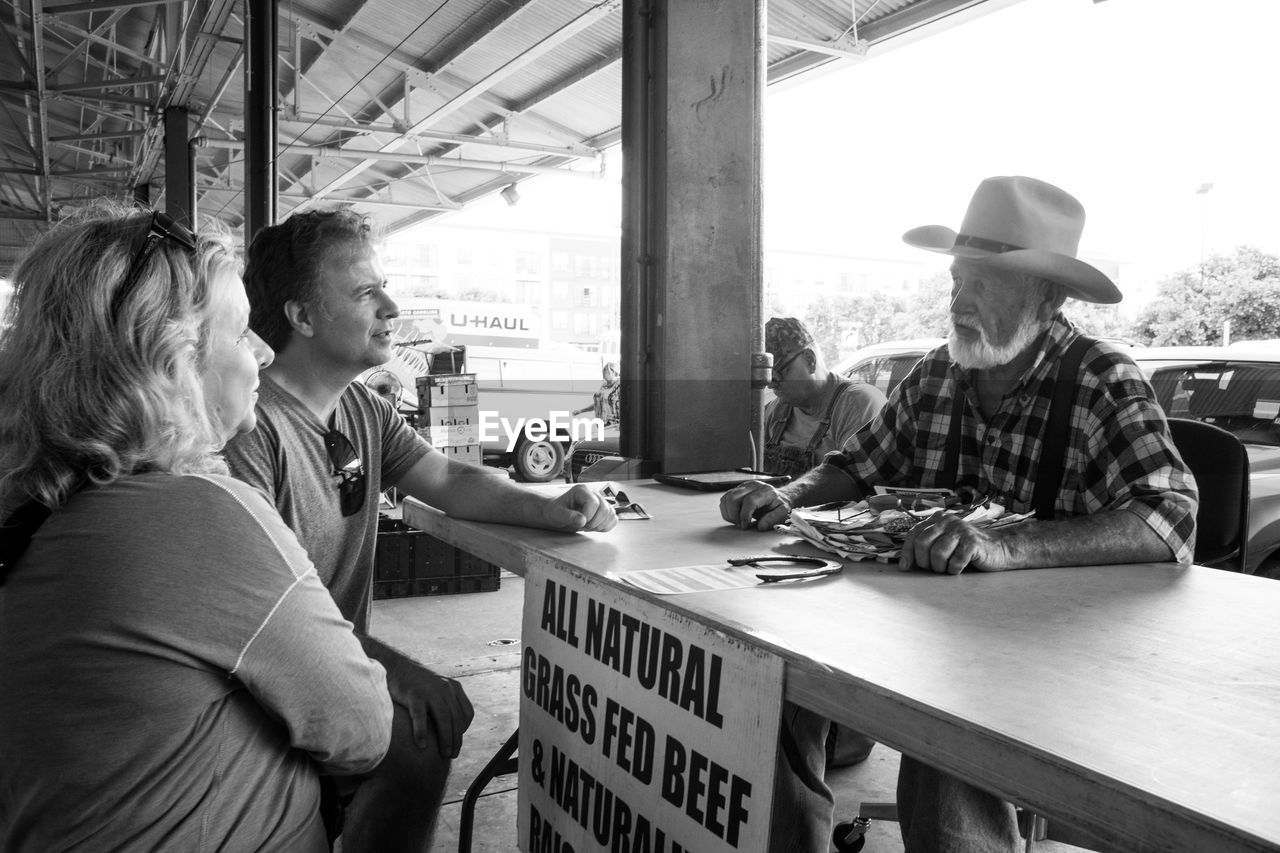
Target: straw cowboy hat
x=1023, y=225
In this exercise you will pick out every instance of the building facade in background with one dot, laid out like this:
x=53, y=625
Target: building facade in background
x=575, y=280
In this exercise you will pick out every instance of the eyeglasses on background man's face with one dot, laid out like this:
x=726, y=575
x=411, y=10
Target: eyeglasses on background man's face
x=780, y=369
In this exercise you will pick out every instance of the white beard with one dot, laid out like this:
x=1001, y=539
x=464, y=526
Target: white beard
x=982, y=354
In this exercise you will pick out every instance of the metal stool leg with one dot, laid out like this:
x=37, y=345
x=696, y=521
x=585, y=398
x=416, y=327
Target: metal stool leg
x=504, y=761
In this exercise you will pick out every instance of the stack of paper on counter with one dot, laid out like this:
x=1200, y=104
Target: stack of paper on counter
x=858, y=531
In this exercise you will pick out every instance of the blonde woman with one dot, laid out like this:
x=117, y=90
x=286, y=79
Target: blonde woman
x=175, y=675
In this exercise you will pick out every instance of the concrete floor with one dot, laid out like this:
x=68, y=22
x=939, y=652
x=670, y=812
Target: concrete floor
x=475, y=638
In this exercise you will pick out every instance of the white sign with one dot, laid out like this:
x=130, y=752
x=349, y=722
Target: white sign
x=641, y=730
x=476, y=324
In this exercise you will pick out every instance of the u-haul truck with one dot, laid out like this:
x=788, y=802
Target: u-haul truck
x=528, y=387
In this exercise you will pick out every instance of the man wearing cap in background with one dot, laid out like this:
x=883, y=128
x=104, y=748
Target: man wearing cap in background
x=972, y=415
x=815, y=411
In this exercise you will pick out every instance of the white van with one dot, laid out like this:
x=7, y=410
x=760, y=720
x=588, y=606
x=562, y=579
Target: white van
x=524, y=381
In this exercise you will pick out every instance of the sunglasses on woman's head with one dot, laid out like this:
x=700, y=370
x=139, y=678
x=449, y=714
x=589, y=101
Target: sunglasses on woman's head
x=163, y=227
x=346, y=465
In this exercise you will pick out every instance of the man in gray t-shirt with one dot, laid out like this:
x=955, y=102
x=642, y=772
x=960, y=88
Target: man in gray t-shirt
x=324, y=450
x=286, y=457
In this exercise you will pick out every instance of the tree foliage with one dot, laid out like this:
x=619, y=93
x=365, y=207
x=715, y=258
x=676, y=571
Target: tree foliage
x=1192, y=305
x=874, y=318
x=924, y=314
x=1100, y=321
x=1242, y=286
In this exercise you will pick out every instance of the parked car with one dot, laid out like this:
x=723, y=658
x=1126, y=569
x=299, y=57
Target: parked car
x=584, y=454
x=884, y=365
x=1236, y=388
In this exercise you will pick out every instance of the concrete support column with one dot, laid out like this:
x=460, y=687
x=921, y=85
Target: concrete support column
x=691, y=249
x=260, y=184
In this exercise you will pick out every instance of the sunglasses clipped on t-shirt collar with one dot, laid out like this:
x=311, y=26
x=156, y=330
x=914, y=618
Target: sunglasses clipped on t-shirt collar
x=349, y=469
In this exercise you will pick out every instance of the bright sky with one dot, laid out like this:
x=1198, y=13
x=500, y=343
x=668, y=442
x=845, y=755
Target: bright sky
x=1130, y=105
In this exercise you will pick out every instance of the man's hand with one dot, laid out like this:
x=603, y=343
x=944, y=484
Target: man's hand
x=580, y=508
x=756, y=505
x=434, y=704
x=946, y=545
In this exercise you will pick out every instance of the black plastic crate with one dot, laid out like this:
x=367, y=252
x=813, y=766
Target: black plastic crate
x=412, y=562
x=469, y=564
x=436, y=559
x=406, y=554
x=396, y=554
x=437, y=586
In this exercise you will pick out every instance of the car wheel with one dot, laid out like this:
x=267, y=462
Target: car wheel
x=537, y=461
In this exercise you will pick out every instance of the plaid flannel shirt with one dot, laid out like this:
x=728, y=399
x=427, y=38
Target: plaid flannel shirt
x=1119, y=453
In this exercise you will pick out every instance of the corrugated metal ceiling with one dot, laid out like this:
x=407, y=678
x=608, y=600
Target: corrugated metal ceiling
x=458, y=98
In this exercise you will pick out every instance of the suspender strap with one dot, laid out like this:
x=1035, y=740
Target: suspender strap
x=1053, y=447
x=777, y=424
x=1054, y=444
x=951, y=459
x=820, y=431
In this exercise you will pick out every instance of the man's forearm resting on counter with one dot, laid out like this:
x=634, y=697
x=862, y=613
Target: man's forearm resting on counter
x=823, y=484
x=477, y=493
x=949, y=545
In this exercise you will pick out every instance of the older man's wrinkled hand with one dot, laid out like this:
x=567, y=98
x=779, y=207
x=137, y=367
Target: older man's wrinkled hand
x=944, y=544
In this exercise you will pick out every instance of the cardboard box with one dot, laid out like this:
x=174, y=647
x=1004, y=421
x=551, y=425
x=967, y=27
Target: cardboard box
x=450, y=416
x=453, y=435
x=469, y=453
x=450, y=389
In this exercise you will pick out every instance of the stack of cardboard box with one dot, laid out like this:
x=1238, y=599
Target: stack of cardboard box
x=410, y=562
x=449, y=415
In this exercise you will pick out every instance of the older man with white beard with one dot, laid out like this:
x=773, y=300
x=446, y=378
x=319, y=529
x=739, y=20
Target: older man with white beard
x=975, y=414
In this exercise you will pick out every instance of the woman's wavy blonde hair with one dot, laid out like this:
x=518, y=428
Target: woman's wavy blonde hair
x=92, y=393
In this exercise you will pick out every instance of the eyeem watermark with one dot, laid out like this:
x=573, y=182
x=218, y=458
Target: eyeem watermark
x=561, y=426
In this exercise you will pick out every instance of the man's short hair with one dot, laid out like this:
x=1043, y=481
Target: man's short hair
x=286, y=262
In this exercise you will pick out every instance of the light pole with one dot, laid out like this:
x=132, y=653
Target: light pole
x=1203, y=192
